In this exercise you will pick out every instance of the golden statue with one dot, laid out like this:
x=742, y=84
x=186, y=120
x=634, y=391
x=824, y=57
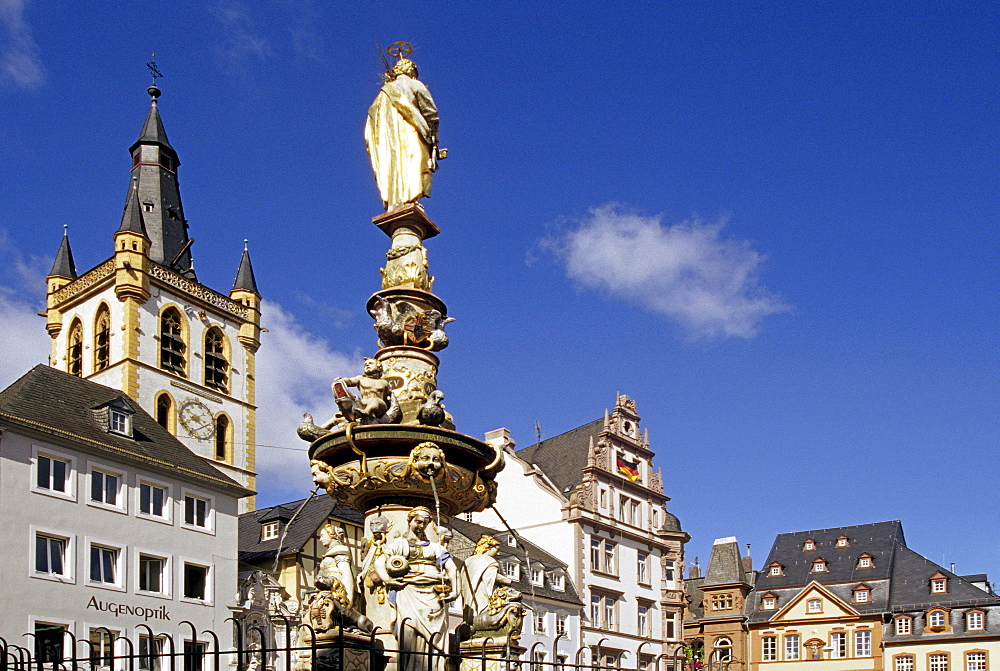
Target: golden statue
x=401, y=134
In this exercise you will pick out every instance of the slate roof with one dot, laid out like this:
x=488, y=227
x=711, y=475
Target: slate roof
x=64, y=266
x=64, y=406
x=153, y=131
x=563, y=457
x=473, y=531
x=911, y=576
x=297, y=534
x=244, y=274
x=132, y=220
x=725, y=566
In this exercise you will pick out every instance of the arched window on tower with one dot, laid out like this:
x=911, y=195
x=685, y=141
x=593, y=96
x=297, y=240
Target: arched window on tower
x=172, y=348
x=102, y=339
x=216, y=366
x=165, y=411
x=222, y=452
x=74, y=351
x=723, y=650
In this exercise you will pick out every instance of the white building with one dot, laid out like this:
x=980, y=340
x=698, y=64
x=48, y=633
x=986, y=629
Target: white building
x=110, y=522
x=591, y=497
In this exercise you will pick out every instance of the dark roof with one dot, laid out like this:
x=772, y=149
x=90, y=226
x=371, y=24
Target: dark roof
x=132, y=214
x=525, y=548
x=725, y=566
x=153, y=131
x=911, y=576
x=313, y=515
x=562, y=458
x=244, y=275
x=671, y=522
x=64, y=265
x=64, y=407
x=879, y=540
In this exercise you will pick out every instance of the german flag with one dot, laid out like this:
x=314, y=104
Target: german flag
x=630, y=469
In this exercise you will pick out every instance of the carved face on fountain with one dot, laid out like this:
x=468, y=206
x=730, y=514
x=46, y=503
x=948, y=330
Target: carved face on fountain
x=320, y=473
x=372, y=368
x=419, y=518
x=427, y=459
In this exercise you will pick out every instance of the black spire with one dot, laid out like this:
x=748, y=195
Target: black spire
x=244, y=276
x=157, y=196
x=63, y=265
x=132, y=216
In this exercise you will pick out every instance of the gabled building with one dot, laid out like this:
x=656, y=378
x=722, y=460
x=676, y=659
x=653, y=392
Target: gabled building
x=592, y=497
x=140, y=321
x=110, y=524
x=857, y=597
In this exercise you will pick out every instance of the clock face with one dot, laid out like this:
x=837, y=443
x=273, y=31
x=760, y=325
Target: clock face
x=196, y=418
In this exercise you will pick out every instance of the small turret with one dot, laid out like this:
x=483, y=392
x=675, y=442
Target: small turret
x=63, y=272
x=132, y=247
x=245, y=292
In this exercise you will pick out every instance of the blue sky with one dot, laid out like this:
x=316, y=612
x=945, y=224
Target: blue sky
x=774, y=225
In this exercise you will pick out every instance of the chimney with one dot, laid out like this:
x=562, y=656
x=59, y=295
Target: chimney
x=694, y=571
x=747, y=561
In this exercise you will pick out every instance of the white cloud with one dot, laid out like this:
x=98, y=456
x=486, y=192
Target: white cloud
x=23, y=340
x=686, y=272
x=294, y=372
x=20, y=65
x=241, y=41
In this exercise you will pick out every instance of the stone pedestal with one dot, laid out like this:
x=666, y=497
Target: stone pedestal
x=336, y=651
x=495, y=656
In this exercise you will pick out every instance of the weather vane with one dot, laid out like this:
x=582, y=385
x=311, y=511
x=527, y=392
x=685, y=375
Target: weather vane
x=153, y=69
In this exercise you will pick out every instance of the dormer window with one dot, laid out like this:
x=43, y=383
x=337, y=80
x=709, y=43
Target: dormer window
x=904, y=625
x=810, y=544
x=865, y=561
x=511, y=541
x=538, y=576
x=269, y=531
x=119, y=418
x=862, y=594
x=939, y=583
x=557, y=581
x=776, y=569
x=937, y=620
x=974, y=620
x=819, y=565
x=842, y=541
x=768, y=601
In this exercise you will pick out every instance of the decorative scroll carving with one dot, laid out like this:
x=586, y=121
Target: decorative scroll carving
x=656, y=482
x=199, y=291
x=85, y=281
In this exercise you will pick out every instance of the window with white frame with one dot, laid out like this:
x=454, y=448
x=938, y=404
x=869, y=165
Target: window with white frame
x=106, y=488
x=154, y=500
x=669, y=573
x=642, y=568
x=670, y=626
x=974, y=620
x=538, y=576
x=792, y=647
x=119, y=422
x=197, y=512
x=561, y=621
x=939, y=585
x=863, y=643
x=557, y=581
x=723, y=650
x=52, y=556
x=642, y=617
x=842, y=541
x=975, y=661
x=610, y=565
x=936, y=618
x=768, y=602
x=53, y=475
x=104, y=566
x=903, y=663
x=102, y=647
x=814, y=606
x=610, y=612
x=636, y=512
x=769, y=649
x=776, y=569
x=150, y=652
x=511, y=569
x=937, y=662
x=196, y=585
x=838, y=645
x=269, y=531
x=539, y=622
x=603, y=611
x=152, y=574
x=904, y=626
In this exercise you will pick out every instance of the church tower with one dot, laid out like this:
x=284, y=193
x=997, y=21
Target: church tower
x=141, y=322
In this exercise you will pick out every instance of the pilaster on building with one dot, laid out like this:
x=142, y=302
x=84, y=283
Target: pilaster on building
x=593, y=497
x=141, y=322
